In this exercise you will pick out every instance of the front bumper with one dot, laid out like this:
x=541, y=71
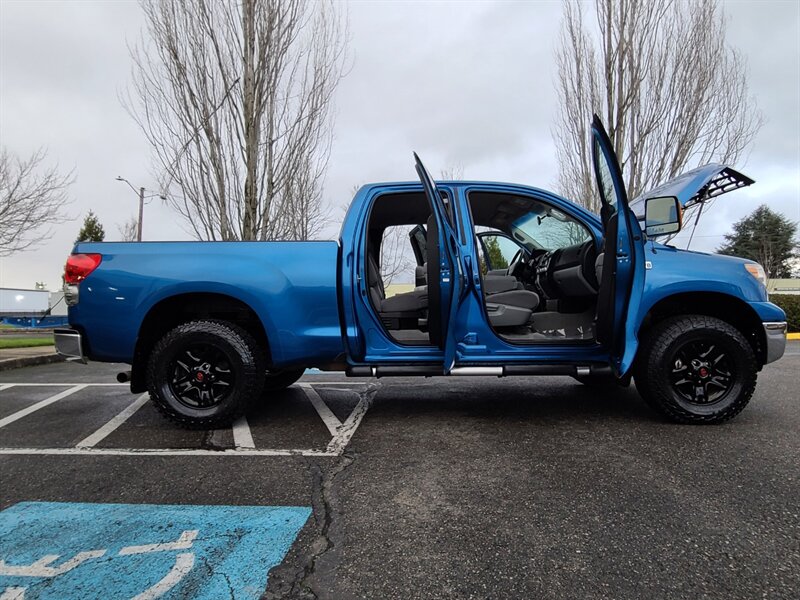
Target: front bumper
x=775, y=334
x=69, y=344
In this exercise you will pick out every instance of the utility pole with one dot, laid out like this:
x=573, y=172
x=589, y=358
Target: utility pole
x=141, y=215
x=142, y=198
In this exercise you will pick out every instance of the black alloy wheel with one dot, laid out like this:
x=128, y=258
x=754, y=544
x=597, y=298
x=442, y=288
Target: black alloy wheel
x=702, y=372
x=202, y=376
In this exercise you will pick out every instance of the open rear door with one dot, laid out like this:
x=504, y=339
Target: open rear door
x=443, y=273
x=622, y=252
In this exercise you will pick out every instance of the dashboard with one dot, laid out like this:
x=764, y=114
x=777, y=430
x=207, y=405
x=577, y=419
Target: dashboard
x=563, y=273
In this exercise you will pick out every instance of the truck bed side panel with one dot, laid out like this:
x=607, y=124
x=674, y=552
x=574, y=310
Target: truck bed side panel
x=291, y=286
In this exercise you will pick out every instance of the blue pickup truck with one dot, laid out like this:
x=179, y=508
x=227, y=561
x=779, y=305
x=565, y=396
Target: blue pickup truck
x=511, y=280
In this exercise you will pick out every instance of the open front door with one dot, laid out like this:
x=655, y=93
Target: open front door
x=443, y=272
x=622, y=247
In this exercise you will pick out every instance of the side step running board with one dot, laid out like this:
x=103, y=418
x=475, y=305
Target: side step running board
x=492, y=371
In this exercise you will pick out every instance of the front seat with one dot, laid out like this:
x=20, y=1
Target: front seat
x=512, y=308
x=401, y=311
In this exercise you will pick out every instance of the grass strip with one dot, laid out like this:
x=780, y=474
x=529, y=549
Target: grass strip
x=25, y=342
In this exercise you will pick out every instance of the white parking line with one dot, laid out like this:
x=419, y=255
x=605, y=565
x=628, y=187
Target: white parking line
x=28, y=384
x=348, y=428
x=5, y=386
x=46, y=402
x=69, y=383
x=107, y=429
x=331, y=421
x=242, y=436
x=347, y=383
x=341, y=432
x=161, y=452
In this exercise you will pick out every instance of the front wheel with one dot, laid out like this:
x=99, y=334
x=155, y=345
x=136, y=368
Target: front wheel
x=204, y=374
x=696, y=369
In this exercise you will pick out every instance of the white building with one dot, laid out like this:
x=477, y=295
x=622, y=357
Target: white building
x=23, y=303
x=783, y=286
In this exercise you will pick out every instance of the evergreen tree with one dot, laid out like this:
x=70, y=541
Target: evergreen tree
x=92, y=230
x=766, y=237
x=495, y=253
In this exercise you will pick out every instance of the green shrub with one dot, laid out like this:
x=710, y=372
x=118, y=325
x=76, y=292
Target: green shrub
x=790, y=303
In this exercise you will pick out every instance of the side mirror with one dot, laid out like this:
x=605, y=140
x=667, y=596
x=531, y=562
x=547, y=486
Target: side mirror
x=663, y=216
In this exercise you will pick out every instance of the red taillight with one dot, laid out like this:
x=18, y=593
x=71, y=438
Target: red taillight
x=79, y=266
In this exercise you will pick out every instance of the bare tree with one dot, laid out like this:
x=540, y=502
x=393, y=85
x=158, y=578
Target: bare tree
x=452, y=172
x=128, y=230
x=236, y=100
x=670, y=91
x=32, y=198
x=396, y=255
x=397, y=260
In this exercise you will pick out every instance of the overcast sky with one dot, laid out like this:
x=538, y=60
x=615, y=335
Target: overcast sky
x=460, y=83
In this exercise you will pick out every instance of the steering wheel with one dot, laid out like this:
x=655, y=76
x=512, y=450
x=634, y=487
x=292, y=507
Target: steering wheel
x=517, y=265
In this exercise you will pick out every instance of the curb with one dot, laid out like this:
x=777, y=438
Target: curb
x=30, y=361
x=793, y=336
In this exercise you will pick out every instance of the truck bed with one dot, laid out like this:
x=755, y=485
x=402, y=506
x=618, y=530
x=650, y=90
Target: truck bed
x=291, y=286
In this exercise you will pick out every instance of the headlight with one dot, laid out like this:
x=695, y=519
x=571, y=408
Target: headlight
x=757, y=271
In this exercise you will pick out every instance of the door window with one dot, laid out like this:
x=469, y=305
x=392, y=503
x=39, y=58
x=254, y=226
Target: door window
x=497, y=252
x=604, y=179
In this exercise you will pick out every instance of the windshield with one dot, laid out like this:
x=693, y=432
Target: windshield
x=549, y=229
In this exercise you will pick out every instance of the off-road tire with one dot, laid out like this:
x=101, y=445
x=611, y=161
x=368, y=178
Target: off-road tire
x=276, y=381
x=655, y=362
x=245, y=360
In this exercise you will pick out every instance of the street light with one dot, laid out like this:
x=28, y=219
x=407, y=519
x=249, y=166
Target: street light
x=141, y=195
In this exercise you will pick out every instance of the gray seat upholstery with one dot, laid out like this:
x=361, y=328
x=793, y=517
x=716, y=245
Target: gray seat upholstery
x=519, y=298
x=400, y=311
x=511, y=309
x=494, y=284
x=598, y=266
x=506, y=305
x=413, y=301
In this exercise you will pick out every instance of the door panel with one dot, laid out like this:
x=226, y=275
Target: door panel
x=621, y=249
x=443, y=267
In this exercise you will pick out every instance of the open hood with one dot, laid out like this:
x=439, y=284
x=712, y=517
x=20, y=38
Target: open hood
x=697, y=185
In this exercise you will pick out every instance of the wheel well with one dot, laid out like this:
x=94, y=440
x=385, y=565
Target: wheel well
x=730, y=309
x=171, y=312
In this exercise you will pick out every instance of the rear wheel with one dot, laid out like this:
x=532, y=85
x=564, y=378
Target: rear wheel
x=696, y=369
x=204, y=374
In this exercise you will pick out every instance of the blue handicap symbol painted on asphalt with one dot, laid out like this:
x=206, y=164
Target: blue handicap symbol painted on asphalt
x=54, y=550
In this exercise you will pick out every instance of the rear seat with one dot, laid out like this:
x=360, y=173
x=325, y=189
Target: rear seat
x=401, y=311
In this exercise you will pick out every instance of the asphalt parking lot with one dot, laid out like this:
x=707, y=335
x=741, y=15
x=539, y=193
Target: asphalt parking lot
x=401, y=488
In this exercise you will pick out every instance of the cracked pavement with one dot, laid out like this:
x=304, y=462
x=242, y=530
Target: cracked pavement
x=487, y=488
